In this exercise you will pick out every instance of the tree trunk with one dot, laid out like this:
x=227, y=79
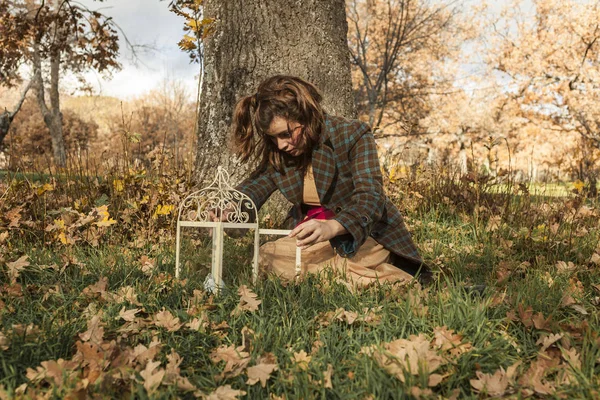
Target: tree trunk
x=253, y=40
x=6, y=117
x=53, y=116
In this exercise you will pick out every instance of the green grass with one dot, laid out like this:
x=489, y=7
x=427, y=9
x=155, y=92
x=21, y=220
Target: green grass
x=286, y=321
x=519, y=245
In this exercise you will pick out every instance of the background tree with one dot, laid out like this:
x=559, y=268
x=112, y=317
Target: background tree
x=51, y=37
x=399, y=54
x=254, y=40
x=549, y=63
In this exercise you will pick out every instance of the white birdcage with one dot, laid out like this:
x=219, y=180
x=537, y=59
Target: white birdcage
x=217, y=200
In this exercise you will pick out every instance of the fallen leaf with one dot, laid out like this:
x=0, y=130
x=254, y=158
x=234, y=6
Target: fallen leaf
x=547, y=341
x=15, y=267
x=492, y=385
x=447, y=340
x=413, y=355
x=225, y=393
x=327, y=384
x=260, y=372
x=248, y=301
x=128, y=315
x=97, y=289
x=152, y=376
x=301, y=359
x=164, y=319
x=95, y=331
x=3, y=341
x=236, y=359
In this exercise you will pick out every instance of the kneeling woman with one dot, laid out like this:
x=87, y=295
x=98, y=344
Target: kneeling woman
x=328, y=168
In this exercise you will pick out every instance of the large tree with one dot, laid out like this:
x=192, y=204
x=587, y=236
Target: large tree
x=51, y=37
x=251, y=40
x=548, y=56
x=400, y=54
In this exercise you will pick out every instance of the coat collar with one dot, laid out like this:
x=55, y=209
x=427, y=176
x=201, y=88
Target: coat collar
x=291, y=184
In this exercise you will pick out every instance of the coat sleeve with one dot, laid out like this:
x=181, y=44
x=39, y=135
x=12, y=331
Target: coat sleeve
x=259, y=186
x=367, y=201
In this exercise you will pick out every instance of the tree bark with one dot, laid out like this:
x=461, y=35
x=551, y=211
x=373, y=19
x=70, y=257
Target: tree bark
x=7, y=117
x=253, y=40
x=53, y=116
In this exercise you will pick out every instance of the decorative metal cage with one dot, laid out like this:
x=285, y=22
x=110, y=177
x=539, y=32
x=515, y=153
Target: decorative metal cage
x=231, y=209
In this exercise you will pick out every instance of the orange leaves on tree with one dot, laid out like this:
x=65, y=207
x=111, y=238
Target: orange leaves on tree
x=248, y=301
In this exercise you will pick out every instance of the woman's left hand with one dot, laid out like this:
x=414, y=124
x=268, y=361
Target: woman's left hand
x=315, y=231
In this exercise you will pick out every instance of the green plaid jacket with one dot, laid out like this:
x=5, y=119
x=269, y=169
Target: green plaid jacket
x=348, y=180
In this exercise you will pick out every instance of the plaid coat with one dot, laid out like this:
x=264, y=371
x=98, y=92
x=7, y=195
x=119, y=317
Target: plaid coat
x=348, y=180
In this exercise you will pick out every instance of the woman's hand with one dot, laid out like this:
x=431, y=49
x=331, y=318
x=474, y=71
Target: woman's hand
x=315, y=231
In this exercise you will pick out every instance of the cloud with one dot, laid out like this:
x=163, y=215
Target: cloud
x=150, y=24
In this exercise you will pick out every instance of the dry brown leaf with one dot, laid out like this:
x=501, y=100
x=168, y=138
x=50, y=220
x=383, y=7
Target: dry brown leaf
x=327, y=384
x=128, y=315
x=413, y=355
x=572, y=358
x=492, y=385
x=419, y=393
x=236, y=359
x=435, y=379
x=595, y=259
x=164, y=319
x=301, y=359
x=15, y=267
x=447, y=340
x=153, y=376
x=248, y=301
x=3, y=341
x=97, y=289
x=225, y=393
x=542, y=323
x=147, y=265
x=143, y=354
x=549, y=340
x=197, y=324
x=260, y=372
x=125, y=293
x=95, y=331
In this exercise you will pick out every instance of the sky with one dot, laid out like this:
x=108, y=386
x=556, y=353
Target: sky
x=148, y=23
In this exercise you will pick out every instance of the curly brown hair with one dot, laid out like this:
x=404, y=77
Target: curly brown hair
x=284, y=96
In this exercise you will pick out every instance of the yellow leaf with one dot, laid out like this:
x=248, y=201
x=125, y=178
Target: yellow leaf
x=163, y=210
x=578, y=185
x=118, y=185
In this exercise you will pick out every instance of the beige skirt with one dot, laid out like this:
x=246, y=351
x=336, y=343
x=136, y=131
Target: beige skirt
x=369, y=265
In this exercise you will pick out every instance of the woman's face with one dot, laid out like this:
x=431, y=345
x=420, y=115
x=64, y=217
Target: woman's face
x=286, y=135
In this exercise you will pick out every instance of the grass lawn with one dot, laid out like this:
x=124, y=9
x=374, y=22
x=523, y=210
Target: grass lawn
x=108, y=319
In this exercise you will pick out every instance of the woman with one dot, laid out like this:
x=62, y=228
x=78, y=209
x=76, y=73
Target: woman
x=328, y=168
